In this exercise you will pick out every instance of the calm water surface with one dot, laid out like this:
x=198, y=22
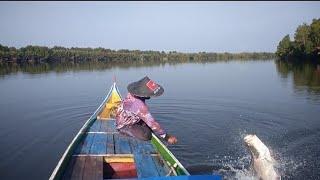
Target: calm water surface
x=209, y=107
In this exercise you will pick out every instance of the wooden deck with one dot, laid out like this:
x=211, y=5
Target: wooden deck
x=103, y=140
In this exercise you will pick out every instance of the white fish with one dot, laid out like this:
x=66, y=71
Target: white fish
x=263, y=163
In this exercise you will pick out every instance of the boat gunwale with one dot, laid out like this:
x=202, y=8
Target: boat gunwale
x=169, y=153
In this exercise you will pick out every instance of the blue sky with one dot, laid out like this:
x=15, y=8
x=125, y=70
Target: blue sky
x=163, y=26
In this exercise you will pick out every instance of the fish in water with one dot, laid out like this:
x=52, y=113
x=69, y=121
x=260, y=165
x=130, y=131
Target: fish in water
x=263, y=163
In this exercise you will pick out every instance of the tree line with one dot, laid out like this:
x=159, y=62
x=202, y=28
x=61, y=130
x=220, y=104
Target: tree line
x=41, y=54
x=304, y=46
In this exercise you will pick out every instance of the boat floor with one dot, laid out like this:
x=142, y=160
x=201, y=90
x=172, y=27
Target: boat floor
x=103, y=140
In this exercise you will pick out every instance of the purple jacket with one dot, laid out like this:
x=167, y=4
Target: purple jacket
x=132, y=110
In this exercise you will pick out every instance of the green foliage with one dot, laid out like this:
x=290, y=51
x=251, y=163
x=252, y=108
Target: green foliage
x=306, y=43
x=302, y=40
x=56, y=55
x=285, y=47
x=315, y=33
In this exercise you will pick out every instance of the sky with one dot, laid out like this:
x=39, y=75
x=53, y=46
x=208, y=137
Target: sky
x=162, y=26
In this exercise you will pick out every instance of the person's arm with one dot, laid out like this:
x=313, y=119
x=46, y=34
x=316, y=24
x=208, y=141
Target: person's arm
x=146, y=116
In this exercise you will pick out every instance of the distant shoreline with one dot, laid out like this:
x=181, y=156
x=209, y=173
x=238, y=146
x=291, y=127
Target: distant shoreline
x=57, y=54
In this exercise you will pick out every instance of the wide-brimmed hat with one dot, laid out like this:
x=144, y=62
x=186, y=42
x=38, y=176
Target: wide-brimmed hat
x=145, y=87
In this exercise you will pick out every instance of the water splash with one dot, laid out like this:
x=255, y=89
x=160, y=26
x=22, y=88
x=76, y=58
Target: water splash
x=235, y=168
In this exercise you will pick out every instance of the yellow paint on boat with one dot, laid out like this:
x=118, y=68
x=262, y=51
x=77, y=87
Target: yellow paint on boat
x=118, y=159
x=111, y=106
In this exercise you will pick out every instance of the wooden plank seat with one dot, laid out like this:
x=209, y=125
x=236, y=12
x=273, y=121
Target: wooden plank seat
x=92, y=167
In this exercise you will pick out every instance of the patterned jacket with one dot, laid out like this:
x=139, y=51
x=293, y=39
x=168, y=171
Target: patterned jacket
x=132, y=110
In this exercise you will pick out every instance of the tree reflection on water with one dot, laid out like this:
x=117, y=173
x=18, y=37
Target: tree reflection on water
x=305, y=76
x=37, y=68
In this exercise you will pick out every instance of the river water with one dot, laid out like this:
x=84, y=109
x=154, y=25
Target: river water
x=210, y=107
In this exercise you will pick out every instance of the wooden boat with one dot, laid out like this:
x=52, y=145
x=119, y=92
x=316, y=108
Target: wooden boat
x=99, y=151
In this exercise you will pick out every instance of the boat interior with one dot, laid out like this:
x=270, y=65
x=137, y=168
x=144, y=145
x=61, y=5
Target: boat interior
x=104, y=153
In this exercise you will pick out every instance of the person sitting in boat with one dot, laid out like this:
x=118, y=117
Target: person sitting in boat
x=133, y=117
